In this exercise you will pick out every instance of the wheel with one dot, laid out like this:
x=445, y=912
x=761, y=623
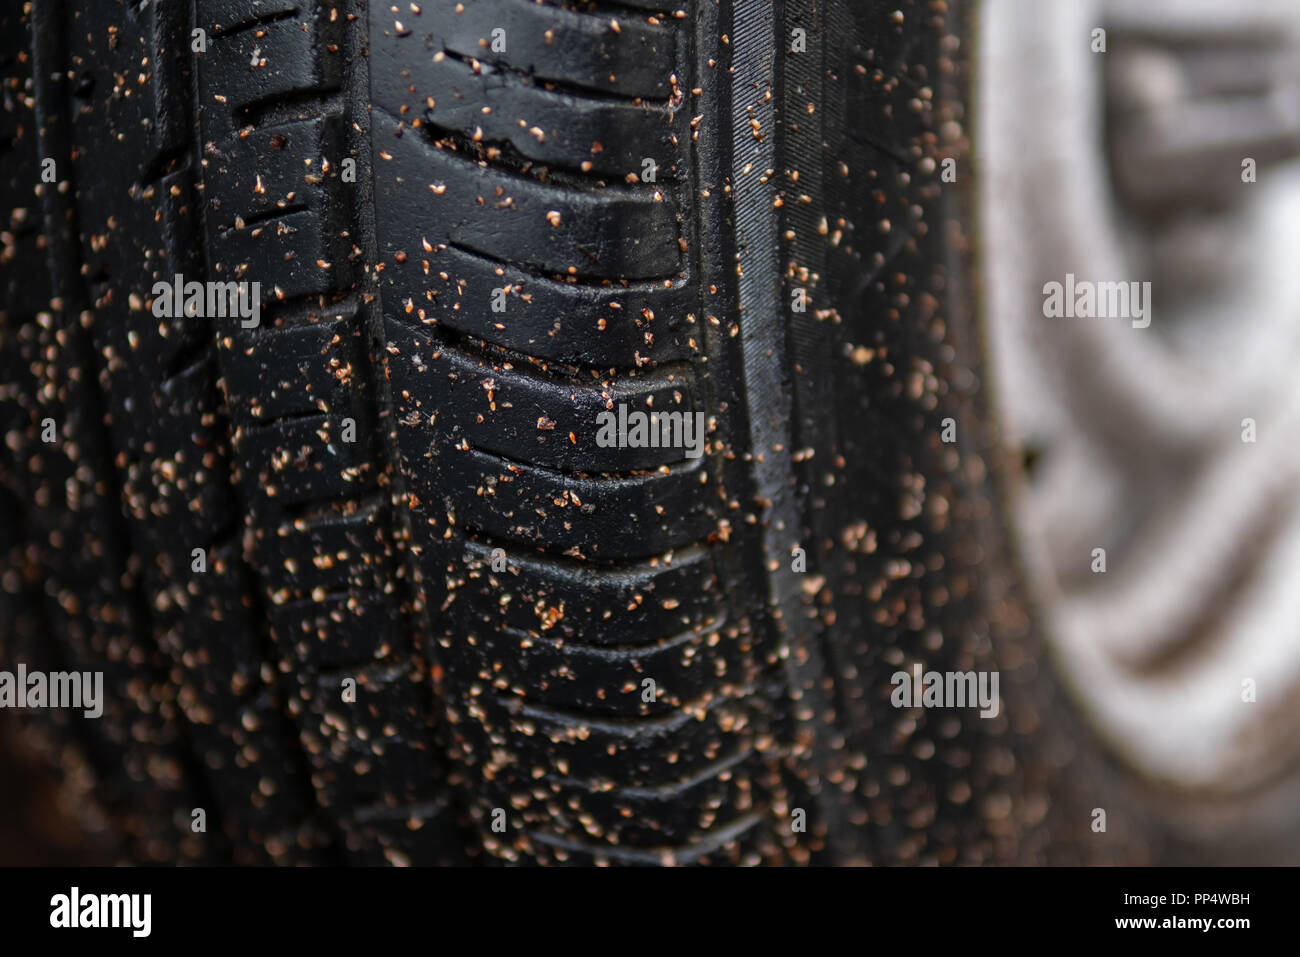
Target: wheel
x=1156, y=517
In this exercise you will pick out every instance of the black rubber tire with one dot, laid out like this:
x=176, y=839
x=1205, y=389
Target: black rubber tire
x=657, y=189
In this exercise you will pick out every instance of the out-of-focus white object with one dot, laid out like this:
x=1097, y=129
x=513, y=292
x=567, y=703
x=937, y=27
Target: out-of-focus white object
x=1126, y=166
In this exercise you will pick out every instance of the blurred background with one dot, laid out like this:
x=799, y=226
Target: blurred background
x=1157, y=141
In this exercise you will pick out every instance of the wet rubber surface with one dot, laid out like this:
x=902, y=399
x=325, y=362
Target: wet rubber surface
x=439, y=618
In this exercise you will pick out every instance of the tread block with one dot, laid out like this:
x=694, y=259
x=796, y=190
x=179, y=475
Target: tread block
x=611, y=326
x=681, y=814
x=180, y=223
x=617, y=518
x=375, y=749
x=544, y=41
x=184, y=399
x=619, y=607
x=273, y=61
x=600, y=137
x=422, y=189
x=227, y=16
x=605, y=682
x=501, y=407
x=529, y=742
x=169, y=52
x=296, y=370
x=332, y=553
x=167, y=485
x=281, y=166
x=735, y=841
x=291, y=256
x=305, y=459
x=335, y=631
x=422, y=835
x=233, y=722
